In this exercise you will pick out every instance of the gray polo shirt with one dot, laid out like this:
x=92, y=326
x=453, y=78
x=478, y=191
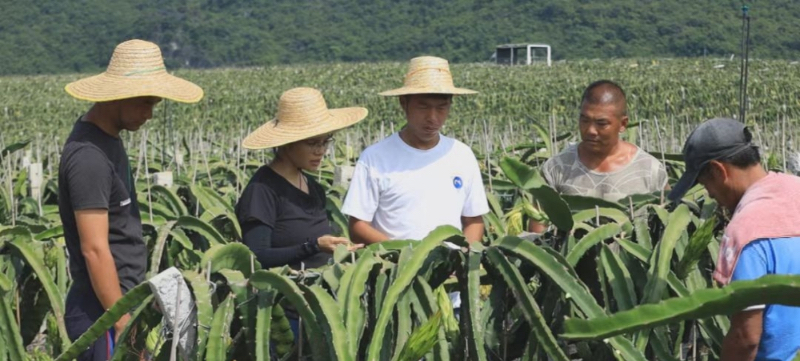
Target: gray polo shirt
x=566, y=173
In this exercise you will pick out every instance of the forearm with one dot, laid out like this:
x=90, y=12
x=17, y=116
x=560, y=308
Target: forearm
x=276, y=257
x=741, y=342
x=472, y=228
x=258, y=237
x=103, y=276
x=734, y=350
x=363, y=232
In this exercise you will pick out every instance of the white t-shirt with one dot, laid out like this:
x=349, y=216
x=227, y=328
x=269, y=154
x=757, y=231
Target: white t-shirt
x=407, y=192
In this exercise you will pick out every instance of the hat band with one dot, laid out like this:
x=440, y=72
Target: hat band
x=426, y=68
x=145, y=71
x=724, y=153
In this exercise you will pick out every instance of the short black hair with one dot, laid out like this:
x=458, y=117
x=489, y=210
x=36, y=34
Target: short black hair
x=743, y=159
x=605, y=91
x=746, y=158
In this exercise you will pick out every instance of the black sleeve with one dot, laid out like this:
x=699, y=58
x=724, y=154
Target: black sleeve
x=257, y=203
x=89, y=178
x=258, y=237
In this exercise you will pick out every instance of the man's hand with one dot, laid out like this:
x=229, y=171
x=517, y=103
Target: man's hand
x=741, y=342
x=328, y=243
x=363, y=232
x=120, y=326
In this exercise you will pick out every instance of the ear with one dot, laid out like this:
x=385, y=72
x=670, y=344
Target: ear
x=718, y=170
x=623, y=123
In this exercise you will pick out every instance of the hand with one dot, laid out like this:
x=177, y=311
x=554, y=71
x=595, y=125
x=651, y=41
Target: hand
x=120, y=326
x=328, y=243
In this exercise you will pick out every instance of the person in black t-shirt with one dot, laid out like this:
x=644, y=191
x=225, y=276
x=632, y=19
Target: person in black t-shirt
x=282, y=211
x=96, y=194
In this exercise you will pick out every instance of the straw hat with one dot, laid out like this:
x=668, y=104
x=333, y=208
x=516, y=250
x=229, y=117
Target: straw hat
x=428, y=75
x=302, y=114
x=136, y=69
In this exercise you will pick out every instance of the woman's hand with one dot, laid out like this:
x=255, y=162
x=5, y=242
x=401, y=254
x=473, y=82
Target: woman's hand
x=328, y=243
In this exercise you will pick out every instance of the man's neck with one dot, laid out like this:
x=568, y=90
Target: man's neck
x=745, y=178
x=608, y=160
x=103, y=119
x=417, y=143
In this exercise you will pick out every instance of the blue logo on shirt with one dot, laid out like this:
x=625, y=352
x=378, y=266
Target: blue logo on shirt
x=457, y=182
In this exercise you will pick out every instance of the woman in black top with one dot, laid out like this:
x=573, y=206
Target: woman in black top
x=282, y=211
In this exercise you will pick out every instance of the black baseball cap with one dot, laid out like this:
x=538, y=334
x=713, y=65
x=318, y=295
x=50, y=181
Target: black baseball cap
x=715, y=139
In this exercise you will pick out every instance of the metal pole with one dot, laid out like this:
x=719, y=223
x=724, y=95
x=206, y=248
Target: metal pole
x=743, y=72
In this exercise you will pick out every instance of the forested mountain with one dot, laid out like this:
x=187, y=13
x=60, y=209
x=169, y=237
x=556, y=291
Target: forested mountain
x=47, y=36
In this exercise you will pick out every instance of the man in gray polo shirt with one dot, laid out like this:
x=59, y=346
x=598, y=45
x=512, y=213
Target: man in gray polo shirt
x=602, y=165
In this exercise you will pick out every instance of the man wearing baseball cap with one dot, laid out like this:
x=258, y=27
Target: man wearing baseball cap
x=96, y=191
x=762, y=238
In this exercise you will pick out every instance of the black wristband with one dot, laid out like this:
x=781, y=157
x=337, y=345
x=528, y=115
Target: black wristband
x=311, y=246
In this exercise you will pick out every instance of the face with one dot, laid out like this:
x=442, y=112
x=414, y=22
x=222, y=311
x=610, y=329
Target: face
x=600, y=125
x=134, y=112
x=426, y=114
x=307, y=154
x=715, y=178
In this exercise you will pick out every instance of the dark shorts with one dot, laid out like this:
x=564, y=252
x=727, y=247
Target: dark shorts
x=82, y=310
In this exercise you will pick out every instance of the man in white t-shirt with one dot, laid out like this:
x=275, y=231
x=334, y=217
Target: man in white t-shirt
x=417, y=179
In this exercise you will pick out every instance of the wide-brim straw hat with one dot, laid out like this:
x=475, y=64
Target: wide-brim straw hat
x=428, y=75
x=302, y=114
x=136, y=69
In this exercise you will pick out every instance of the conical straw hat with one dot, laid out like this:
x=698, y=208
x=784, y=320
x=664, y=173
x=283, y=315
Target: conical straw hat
x=428, y=75
x=302, y=114
x=136, y=69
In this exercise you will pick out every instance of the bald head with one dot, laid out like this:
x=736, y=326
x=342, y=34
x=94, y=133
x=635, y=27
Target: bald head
x=605, y=92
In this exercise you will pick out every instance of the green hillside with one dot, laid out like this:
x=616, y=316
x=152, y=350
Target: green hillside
x=49, y=36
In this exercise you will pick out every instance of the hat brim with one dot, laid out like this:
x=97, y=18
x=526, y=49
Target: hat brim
x=273, y=134
x=105, y=87
x=427, y=90
x=685, y=183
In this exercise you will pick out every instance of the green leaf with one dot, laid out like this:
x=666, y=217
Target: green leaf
x=206, y=230
x=263, y=323
x=328, y=317
x=469, y=285
x=205, y=310
x=234, y=256
x=530, y=308
x=619, y=278
x=406, y=275
x=11, y=335
x=580, y=203
x=350, y=293
x=23, y=249
x=588, y=241
x=698, y=244
x=552, y=264
x=266, y=280
x=13, y=148
x=522, y=175
x=554, y=206
x=134, y=298
x=422, y=340
x=657, y=282
x=770, y=289
x=219, y=338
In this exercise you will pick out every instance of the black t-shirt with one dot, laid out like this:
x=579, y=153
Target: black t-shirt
x=294, y=216
x=95, y=174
